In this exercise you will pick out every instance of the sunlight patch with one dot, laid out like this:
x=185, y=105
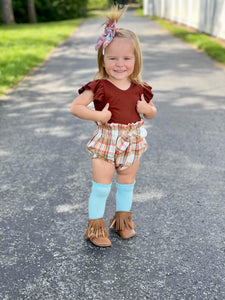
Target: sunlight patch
x=66, y=208
x=206, y=104
x=196, y=166
x=143, y=197
x=4, y=153
x=28, y=208
x=59, y=131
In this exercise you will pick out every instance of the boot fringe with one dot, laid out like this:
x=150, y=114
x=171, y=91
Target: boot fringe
x=96, y=228
x=122, y=220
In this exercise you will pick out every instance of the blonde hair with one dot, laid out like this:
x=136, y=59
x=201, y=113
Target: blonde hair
x=135, y=77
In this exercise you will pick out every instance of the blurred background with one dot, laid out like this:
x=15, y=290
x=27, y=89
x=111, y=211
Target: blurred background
x=207, y=16
x=30, y=29
x=32, y=11
x=204, y=15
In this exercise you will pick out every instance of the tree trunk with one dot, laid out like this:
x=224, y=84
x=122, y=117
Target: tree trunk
x=31, y=11
x=7, y=12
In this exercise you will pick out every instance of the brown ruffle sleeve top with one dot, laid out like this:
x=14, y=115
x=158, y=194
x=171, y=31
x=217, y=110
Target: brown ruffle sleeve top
x=122, y=103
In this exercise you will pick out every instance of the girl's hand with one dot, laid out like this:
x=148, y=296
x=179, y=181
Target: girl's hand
x=142, y=105
x=105, y=114
x=148, y=109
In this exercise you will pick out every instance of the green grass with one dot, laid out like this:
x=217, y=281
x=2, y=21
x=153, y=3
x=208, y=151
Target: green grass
x=97, y=4
x=203, y=41
x=24, y=46
x=139, y=12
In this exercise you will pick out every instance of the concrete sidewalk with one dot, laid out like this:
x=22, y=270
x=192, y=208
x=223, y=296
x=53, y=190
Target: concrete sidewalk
x=178, y=208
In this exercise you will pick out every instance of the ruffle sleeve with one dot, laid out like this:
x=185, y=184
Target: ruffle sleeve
x=147, y=91
x=97, y=88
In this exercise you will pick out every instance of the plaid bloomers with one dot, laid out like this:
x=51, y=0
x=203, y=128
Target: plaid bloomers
x=119, y=144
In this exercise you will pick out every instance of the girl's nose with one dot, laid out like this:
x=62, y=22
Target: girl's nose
x=119, y=62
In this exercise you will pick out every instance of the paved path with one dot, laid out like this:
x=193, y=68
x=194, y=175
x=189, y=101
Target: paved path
x=179, y=207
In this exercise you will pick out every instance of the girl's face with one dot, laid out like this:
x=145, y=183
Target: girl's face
x=119, y=59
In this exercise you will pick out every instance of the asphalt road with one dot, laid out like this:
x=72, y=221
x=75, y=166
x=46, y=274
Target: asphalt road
x=178, y=208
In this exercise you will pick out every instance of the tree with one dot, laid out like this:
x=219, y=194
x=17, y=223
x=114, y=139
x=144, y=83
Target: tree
x=31, y=11
x=7, y=12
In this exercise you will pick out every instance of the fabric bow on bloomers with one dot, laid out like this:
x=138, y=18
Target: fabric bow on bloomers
x=106, y=38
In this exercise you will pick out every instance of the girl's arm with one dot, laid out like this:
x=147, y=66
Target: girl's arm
x=148, y=109
x=80, y=109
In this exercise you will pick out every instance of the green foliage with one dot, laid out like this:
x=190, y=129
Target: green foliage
x=50, y=10
x=97, y=4
x=139, y=12
x=140, y=2
x=24, y=46
x=122, y=2
x=202, y=41
x=20, y=11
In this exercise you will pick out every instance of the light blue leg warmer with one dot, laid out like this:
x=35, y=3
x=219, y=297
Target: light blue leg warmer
x=97, y=200
x=124, y=196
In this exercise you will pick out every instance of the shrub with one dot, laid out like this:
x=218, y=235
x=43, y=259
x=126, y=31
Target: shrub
x=50, y=10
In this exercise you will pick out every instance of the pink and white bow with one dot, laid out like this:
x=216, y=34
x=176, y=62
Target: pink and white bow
x=106, y=38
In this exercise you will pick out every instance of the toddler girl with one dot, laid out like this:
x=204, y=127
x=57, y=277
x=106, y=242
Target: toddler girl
x=119, y=97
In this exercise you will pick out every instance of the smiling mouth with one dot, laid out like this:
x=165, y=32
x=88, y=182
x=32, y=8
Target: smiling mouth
x=119, y=71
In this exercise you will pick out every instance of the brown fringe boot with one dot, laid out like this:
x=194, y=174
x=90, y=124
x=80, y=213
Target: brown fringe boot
x=97, y=233
x=123, y=224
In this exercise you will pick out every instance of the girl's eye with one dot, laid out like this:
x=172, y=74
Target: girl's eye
x=127, y=58
x=112, y=58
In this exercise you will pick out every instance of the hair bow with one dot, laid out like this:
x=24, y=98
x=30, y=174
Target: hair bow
x=106, y=38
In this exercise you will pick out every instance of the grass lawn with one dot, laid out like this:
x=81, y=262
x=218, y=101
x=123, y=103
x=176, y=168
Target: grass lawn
x=214, y=49
x=24, y=46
